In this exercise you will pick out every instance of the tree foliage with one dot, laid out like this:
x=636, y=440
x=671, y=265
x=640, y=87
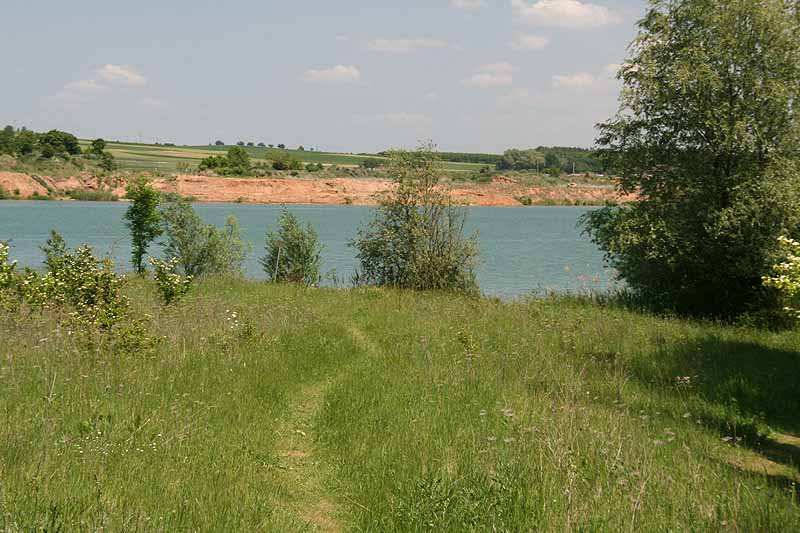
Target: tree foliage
x=293, y=253
x=707, y=136
x=201, y=249
x=144, y=221
x=416, y=239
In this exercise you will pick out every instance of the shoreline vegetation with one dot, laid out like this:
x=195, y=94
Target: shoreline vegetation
x=252, y=174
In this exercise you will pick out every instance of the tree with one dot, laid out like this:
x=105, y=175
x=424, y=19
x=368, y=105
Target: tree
x=416, y=239
x=25, y=142
x=219, y=143
x=240, y=143
x=201, y=249
x=707, y=137
x=97, y=147
x=238, y=160
x=250, y=144
x=552, y=160
x=293, y=254
x=143, y=220
x=301, y=148
x=282, y=146
x=7, y=140
x=262, y=145
x=520, y=160
x=56, y=142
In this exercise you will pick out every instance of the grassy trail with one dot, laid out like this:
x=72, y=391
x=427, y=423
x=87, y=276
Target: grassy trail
x=269, y=408
x=301, y=469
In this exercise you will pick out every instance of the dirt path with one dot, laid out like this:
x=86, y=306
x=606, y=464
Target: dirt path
x=301, y=471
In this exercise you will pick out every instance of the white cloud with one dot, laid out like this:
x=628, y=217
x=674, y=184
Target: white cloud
x=121, y=74
x=468, y=4
x=401, y=46
x=491, y=75
x=81, y=90
x=529, y=42
x=337, y=74
x=563, y=13
x=574, y=82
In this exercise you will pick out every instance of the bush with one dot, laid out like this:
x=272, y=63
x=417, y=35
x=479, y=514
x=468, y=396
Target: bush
x=293, y=254
x=7, y=270
x=171, y=285
x=3, y=193
x=284, y=161
x=416, y=240
x=785, y=277
x=201, y=249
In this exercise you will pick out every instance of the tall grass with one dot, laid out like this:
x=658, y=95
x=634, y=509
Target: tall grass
x=430, y=412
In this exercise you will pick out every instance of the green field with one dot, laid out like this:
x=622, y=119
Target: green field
x=131, y=156
x=279, y=408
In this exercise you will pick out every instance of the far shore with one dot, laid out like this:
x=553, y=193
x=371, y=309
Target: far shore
x=500, y=191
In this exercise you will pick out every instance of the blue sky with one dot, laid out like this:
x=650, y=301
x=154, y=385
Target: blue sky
x=472, y=75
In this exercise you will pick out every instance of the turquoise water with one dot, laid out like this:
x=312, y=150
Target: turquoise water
x=523, y=249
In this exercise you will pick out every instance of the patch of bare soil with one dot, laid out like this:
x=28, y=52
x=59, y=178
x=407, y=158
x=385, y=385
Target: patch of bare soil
x=500, y=191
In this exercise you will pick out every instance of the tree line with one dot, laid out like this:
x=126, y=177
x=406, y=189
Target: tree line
x=30, y=145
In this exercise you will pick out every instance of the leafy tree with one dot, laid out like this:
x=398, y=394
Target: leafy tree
x=301, y=148
x=143, y=220
x=250, y=144
x=416, y=239
x=97, y=147
x=219, y=143
x=7, y=140
x=551, y=160
x=240, y=143
x=271, y=145
x=107, y=161
x=25, y=142
x=707, y=136
x=293, y=254
x=284, y=161
x=56, y=142
x=261, y=145
x=282, y=146
x=201, y=249
x=213, y=162
x=238, y=160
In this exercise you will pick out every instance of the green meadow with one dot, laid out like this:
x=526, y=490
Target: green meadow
x=132, y=156
x=281, y=408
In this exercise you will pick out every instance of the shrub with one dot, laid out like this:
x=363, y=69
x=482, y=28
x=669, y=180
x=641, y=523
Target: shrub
x=201, y=249
x=293, y=254
x=785, y=277
x=213, y=162
x=524, y=200
x=416, y=238
x=7, y=270
x=171, y=285
x=284, y=161
x=3, y=193
x=143, y=220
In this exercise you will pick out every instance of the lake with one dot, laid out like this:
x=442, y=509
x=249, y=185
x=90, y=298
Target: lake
x=523, y=249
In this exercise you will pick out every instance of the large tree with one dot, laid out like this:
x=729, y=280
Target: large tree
x=707, y=136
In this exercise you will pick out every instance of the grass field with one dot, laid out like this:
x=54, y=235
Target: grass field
x=287, y=409
x=131, y=156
